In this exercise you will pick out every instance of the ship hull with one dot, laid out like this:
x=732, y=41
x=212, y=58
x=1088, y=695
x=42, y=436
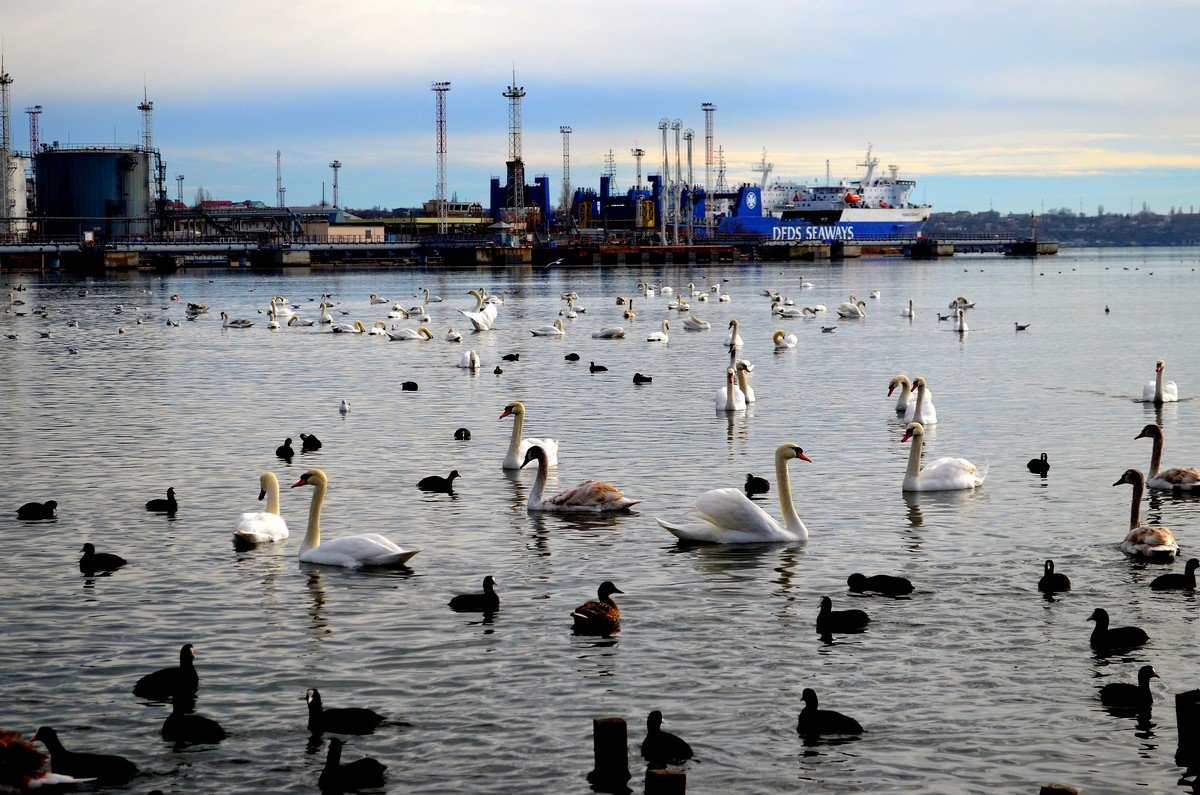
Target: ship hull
x=848, y=225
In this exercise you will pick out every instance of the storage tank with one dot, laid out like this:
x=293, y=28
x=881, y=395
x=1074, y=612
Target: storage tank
x=102, y=189
x=15, y=226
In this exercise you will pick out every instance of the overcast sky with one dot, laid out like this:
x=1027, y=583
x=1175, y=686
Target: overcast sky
x=1012, y=105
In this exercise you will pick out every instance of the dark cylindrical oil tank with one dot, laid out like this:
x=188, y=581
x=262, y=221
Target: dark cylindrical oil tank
x=101, y=189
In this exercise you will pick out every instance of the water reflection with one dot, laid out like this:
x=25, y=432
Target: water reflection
x=317, y=624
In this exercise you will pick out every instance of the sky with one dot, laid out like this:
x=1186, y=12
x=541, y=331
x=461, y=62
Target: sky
x=1015, y=106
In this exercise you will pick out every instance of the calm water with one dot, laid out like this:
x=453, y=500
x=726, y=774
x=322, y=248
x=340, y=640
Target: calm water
x=975, y=682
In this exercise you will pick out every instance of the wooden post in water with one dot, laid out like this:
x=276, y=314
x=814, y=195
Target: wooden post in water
x=666, y=782
x=1058, y=789
x=1187, y=719
x=610, y=740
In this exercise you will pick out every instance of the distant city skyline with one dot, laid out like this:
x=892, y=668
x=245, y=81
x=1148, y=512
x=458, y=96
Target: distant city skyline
x=1018, y=107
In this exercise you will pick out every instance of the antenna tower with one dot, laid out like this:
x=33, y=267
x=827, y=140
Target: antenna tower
x=147, y=109
x=6, y=158
x=708, y=109
x=664, y=124
x=336, y=165
x=722, y=185
x=638, y=153
x=566, y=184
x=765, y=168
x=677, y=193
x=35, y=139
x=439, y=90
x=516, y=168
x=689, y=135
x=279, y=189
x=610, y=171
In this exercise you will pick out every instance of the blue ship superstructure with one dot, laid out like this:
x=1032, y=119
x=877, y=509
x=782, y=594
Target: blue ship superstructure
x=875, y=207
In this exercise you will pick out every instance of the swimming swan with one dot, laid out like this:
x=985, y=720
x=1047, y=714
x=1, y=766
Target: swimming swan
x=352, y=552
x=262, y=527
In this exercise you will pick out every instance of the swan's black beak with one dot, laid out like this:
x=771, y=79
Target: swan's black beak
x=1119, y=482
x=262, y=494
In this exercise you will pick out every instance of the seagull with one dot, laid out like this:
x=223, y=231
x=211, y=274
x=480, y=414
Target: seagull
x=828, y=329
x=558, y=261
x=1020, y=327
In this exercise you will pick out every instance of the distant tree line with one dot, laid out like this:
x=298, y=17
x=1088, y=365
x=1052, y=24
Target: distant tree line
x=1067, y=227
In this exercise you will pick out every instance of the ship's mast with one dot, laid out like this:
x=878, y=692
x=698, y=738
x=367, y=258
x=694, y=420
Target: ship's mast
x=869, y=164
x=765, y=168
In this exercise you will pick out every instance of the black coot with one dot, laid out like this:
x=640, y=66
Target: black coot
x=572, y=357
x=169, y=505
x=638, y=378
x=463, y=435
x=107, y=769
x=662, y=747
x=38, y=510
x=1039, y=466
x=597, y=368
x=756, y=485
x=285, y=450
x=365, y=773
x=93, y=561
x=1123, y=694
x=511, y=357
x=309, y=442
x=438, y=483
x=408, y=386
x=1178, y=582
x=1105, y=639
x=814, y=722
x=886, y=584
x=163, y=684
x=830, y=620
x=339, y=720
x=1052, y=582
x=476, y=602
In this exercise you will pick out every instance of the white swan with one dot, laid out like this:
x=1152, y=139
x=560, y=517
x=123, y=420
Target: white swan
x=1174, y=479
x=724, y=298
x=683, y=306
x=555, y=329
x=647, y=291
x=962, y=302
x=241, y=322
x=518, y=446
x=272, y=323
x=908, y=312
x=480, y=319
x=693, y=323
x=431, y=299
x=1156, y=391
x=852, y=310
x=609, y=333
x=400, y=334
x=1144, y=540
x=295, y=321
x=729, y=397
x=665, y=290
x=378, y=330
x=375, y=299
x=725, y=516
x=325, y=318
x=660, y=336
x=352, y=552
x=453, y=336
x=469, y=361
x=744, y=368
x=805, y=285
x=784, y=341
x=591, y=496
x=348, y=328
x=942, y=474
x=261, y=527
x=815, y=309
x=786, y=311
x=960, y=323
x=281, y=307
x=905, y=396
x=733, y=338
x=921, y=409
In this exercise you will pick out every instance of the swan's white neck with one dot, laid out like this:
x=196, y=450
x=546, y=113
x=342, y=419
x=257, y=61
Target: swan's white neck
x=905, y=394
x=786, y=507
x=273, y=497
x=514, y=443
x=312, y=538
x=914, y=455
x=1158, y=398
x=730, y=405
x=918, y=413
x=744, y=382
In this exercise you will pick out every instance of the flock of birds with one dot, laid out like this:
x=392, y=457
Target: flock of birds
x=719, y=516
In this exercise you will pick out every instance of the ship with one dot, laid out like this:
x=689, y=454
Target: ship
x=873, y=207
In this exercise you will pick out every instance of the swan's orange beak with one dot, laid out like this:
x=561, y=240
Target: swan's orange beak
x=803, y=457
x=914, y=388
x=1158, y=367
x=300, y=482
x=907, y=435
x=505, y=413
